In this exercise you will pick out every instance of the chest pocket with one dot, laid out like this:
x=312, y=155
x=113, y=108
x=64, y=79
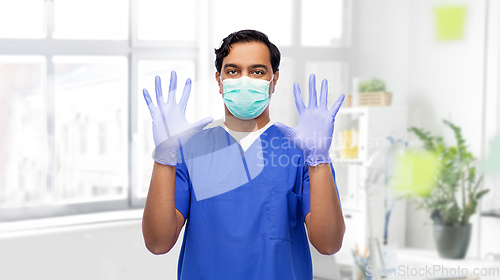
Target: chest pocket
x=284, y=213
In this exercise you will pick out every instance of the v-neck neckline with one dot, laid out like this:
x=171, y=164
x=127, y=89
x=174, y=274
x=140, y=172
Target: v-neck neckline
x=229, y=137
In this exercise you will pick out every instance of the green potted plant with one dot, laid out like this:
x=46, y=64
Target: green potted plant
x=371, y=93
x=455, y=192
x=373, y=85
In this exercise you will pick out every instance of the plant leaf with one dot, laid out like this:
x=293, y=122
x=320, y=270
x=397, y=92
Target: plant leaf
x=481, y=194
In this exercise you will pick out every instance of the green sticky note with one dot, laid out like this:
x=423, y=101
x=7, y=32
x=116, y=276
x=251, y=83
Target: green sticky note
x=492, y=161
x=415, y=173
x=450, y=22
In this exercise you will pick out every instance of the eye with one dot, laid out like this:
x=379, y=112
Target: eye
x=258, y=72
x=231, y=72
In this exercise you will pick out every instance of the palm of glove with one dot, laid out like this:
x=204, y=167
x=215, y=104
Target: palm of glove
x=314, y=131
x=171, y=130
x=313, y=138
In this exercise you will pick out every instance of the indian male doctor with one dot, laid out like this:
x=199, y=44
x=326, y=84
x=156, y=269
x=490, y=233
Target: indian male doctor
x=243, y=188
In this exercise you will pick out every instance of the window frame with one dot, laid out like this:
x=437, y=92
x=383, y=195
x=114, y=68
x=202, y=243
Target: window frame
x=135, y=50
x=137, y=200
x=491, y=103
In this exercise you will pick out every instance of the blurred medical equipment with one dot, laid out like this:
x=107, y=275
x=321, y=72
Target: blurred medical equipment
x=383, y=161
x=361, y=263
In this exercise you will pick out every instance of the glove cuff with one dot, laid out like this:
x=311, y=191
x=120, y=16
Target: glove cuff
x=167, y=153
x=314, y=158
x=165, y=158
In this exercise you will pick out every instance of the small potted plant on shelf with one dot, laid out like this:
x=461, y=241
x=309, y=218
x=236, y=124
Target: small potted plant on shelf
x=454, y=192
x=372, y=93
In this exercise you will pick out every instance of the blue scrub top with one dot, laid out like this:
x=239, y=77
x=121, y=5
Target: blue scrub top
x=245, y=210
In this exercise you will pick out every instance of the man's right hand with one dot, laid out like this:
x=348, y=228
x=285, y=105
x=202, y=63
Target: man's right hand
x=171, y=129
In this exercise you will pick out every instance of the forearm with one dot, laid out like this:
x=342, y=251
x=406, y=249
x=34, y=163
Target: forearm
x=159, y=223
x=326, y=221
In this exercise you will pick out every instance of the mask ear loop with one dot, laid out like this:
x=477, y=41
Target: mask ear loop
x=270, y=83
x=222, y=83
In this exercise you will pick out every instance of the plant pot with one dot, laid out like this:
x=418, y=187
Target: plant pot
x=379, y=98
x=452, y=242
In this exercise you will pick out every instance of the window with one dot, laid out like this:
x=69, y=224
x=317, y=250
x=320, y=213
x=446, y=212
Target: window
x=23, y=147
x=313, y=37
x=147, y=69
x=90, y=95
x=227, y=16
x=153, y=24
x=315, y=13
x=491, y=109
x=76, y=133
x=72, y=20
x=16, y=21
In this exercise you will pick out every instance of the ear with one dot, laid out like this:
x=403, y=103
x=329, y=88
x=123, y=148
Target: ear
x=217, y=78
x=275, y=80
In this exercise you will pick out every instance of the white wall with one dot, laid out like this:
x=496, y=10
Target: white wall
x=382, y=40
x=436, y=79
x=113, y=250
x=446, y=77
x=446, y=82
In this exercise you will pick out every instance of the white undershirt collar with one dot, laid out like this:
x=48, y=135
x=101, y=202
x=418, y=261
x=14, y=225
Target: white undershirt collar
x=245, y=139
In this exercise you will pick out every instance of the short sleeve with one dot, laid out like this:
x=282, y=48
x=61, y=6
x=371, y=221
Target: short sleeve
x=306, y=191
x=182, y=190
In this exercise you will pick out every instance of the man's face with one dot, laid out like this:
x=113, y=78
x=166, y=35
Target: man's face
x=251, y=59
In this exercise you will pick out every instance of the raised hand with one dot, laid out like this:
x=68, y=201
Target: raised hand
x=314, y=130
x=171, y=129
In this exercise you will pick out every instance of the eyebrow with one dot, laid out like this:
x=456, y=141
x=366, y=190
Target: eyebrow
x=258, y=66
x=251, y=66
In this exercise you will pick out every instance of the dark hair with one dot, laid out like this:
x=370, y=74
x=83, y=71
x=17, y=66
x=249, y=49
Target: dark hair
x=246, y=35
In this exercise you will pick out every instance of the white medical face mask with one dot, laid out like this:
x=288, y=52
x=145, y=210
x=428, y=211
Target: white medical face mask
x=246, y=98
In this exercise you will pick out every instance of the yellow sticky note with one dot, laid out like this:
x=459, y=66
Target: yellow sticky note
x=450, y=22
x=415, y=173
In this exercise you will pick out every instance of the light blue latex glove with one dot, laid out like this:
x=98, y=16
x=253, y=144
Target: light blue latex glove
x=314, y=131
x=171, y=130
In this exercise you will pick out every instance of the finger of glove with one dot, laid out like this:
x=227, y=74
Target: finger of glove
x=185, y=95
x=336, y=106
x=312, y=91
x=172, y=88
x=298, y=98
x=149, y=102
x=159, y=93
x=286, y=130
x=323, y=97
x=159, y=100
